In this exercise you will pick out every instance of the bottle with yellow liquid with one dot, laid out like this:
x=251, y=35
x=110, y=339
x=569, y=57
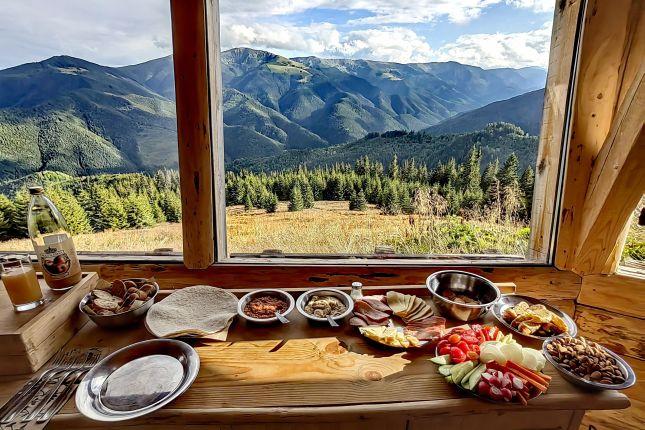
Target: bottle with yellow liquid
x=52, y=242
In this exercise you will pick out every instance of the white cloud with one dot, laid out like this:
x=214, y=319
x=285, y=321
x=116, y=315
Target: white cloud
x=538, y=6
x=106, y=32
x=383, y=44
x=500, y=49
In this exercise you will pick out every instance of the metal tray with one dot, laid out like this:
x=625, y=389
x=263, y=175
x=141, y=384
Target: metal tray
x=628, y=372
x=508, y=300
x=137, y=380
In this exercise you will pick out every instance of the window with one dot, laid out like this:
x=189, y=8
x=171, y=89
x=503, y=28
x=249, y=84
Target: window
x=87, y=109
x=633, y=257
x=399, y=129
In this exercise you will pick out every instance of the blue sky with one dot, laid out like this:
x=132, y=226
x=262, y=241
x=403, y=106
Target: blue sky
x=486, y=33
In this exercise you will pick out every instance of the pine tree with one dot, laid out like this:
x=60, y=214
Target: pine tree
x=19, y=215
x=390, y=203
x=393, y=168
x=138, y=211
x=308, y=196
x=352, y=201
x=511, y=195
x=473, y=194
x=111, y=212
x=295, y=199
x=490, y=176
x=361, y=201
x=271, y=203
x=407, y=207
x=248, y=203
x=72, y=211
x=527, y=182
x=170, y=204
x=6, y=212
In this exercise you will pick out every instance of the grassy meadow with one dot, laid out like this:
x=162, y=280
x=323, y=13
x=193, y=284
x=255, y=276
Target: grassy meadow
x=327, y=228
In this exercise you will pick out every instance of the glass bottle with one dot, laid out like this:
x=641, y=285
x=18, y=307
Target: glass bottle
x=357, y=291
x=52, y=242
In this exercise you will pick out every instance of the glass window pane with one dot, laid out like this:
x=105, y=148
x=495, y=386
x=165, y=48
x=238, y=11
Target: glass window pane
x=87, y=110
x=382, y=127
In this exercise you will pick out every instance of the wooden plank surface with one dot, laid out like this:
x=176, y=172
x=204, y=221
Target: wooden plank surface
x=30, y=338
x=620, y=333
x=254, y=376
x=541, y=282
x=616, y=293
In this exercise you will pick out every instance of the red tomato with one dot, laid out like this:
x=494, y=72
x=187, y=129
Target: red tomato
x=454, y=339
x=457, y=355
x=463, y=345
x=443, y=343
x=445, y=350
x=475, y=348
x=472, y=340
x=472, y=355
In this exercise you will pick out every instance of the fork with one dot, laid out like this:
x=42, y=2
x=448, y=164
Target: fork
x=62, y=398
x=91, y=358
x=22, y=398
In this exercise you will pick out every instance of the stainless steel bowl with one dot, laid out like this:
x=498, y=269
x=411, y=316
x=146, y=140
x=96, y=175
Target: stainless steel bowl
x=265, y=292
x=126, y=318
x=628, y=372
x=473, y=286
x=343, y=297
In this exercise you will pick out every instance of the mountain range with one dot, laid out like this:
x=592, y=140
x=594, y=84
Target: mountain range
x=74, y=116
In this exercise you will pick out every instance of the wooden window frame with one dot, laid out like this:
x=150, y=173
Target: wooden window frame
x=201, y=147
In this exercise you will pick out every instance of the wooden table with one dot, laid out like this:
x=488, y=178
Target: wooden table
x=308, y=377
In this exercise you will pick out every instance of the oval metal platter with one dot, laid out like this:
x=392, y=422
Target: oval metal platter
x=137, y=380
x=509, y=300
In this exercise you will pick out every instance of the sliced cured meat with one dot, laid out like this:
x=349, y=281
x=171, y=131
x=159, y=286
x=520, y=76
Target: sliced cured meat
x=433, y=321
x=377, y=304
x=430, y=328
x=357, y=321
x=366, y=309
x=371, y=321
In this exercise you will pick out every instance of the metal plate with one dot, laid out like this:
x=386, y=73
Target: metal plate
x=137, y=380
x=628, y=372
x=509, y=300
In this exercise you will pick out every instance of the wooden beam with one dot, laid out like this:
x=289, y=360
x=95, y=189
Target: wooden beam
x=554, y=116
x=606, y=70
x=616, y=185
x=194, y=130
x=618, y=293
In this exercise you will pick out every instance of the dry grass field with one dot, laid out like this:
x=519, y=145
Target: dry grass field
x=328, y=228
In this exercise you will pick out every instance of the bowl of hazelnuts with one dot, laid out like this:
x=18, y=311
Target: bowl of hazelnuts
x=120, y=303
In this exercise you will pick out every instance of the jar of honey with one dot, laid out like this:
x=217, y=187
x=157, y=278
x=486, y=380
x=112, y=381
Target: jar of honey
x=19, y=279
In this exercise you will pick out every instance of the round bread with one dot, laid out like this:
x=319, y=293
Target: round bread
x=200, y=309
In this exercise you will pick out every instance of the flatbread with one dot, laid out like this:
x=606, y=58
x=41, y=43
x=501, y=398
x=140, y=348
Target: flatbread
x=200, y=310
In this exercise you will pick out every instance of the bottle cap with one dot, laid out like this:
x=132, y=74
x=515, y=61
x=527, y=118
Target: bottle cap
x=36, y=190
x=357, y=284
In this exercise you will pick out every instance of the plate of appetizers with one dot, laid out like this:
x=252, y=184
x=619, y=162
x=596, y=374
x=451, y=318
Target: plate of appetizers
x=533, y=318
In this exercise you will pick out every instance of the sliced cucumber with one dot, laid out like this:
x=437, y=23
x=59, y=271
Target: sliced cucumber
x=445, y=369
x=476, y=376
x=464, y=380
x=459, y=375
x=441, y=359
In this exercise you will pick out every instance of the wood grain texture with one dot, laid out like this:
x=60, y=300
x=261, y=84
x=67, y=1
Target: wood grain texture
x=554, y=115
x=507, y=420
x=617, y=293
x=540, y=282
x=616, y=185
x=620, y=333
x=601, y=80
x=193, y=131
x=30, y=338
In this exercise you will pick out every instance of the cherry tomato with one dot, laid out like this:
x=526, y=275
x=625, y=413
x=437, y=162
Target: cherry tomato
x=475, y=348
x=463, y=346
x=472, y=355
x=457, y=355
x=470, y=339
x=445, y=350
x=454, y=339
x=443, y=343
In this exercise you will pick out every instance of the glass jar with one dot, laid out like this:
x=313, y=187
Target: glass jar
x=20, y=282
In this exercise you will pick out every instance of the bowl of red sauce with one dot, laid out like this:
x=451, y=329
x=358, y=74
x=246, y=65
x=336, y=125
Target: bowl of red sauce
x=260, y=306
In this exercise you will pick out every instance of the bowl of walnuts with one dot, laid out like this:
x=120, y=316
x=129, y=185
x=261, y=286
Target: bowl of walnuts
x=120, y=303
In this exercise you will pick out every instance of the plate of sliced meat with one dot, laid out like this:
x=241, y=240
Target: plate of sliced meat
x=414, y=320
